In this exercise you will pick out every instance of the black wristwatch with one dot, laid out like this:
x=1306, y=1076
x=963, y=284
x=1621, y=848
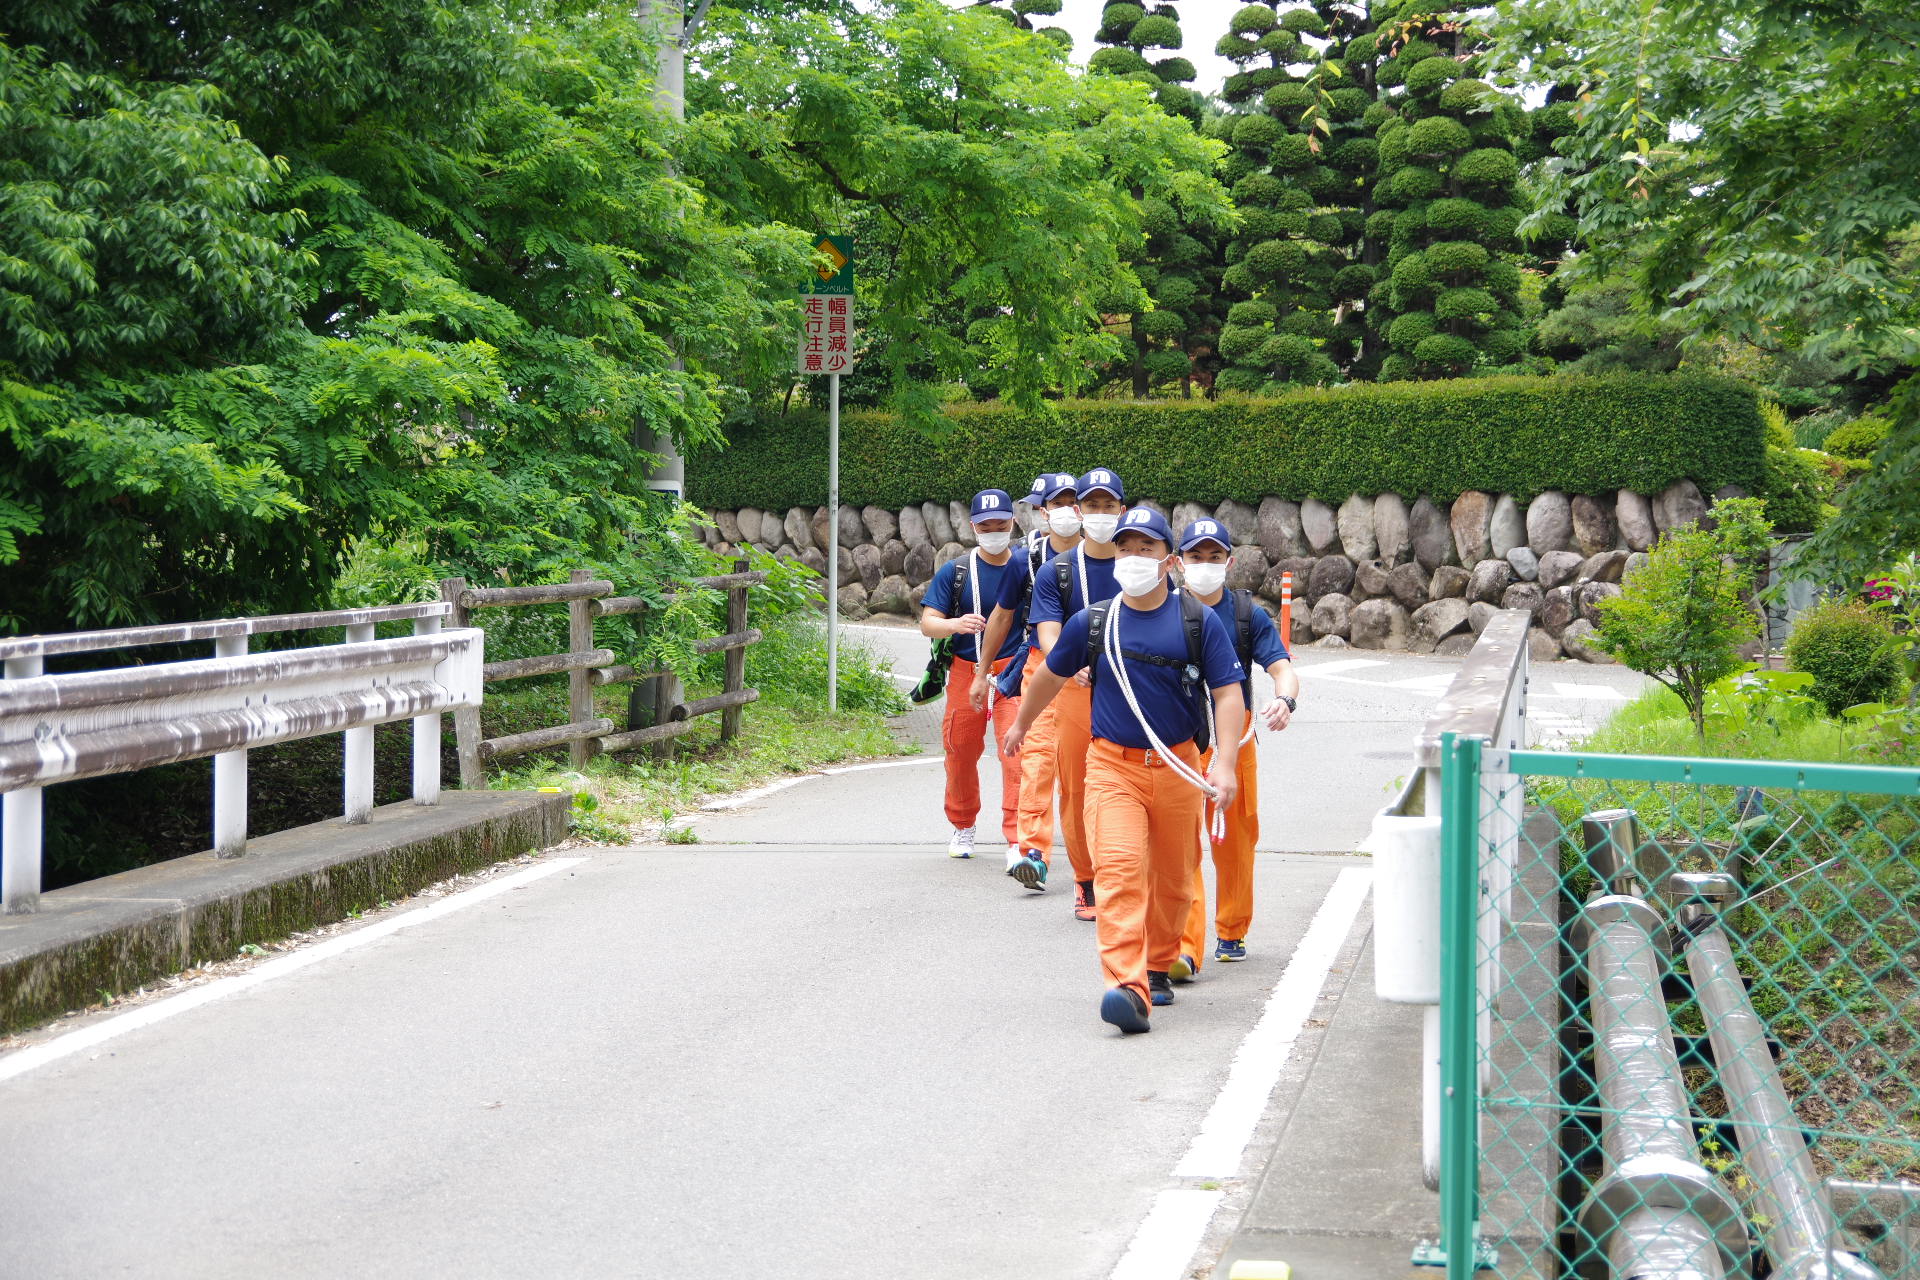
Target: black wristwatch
x=1292, y=706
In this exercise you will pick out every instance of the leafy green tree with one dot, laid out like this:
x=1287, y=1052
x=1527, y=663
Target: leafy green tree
x=1021, y=14
x=292, y=276
x=1448, y=169
x=1178, y=263
x=1760, y=153
x=1682, y=616
x=1001, y=183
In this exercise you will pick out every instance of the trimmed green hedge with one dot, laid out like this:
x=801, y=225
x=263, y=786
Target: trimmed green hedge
x=1435, y=439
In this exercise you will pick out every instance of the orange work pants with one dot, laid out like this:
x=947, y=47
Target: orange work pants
x=1072, y=736
x=1037, y=773
x=1144, y=822
x=963, y=735
x=1232, y=864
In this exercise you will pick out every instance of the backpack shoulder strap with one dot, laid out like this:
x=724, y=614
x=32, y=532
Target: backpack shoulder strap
x=1243, y=628
x=1193, y=615
x=962, y=570
x=1063, y=579
x=1096, y=636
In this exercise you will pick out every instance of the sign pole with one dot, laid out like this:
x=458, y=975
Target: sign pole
x=833, y=542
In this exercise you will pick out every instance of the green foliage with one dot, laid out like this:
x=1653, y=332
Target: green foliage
x=1783, y=210
x=1794, y=491
x=1512, y=435
x=440, y=314
x=1860, y=438
x=1683, y=615
x=1849, y=651
x=1003, y=185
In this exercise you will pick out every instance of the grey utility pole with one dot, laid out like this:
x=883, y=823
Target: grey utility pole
x=673, y=28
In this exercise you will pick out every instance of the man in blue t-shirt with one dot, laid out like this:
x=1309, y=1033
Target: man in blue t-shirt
x=1206, y=548
x=1072, y=581
x=1143, y=812
x=1053, y=496
x=956, y=606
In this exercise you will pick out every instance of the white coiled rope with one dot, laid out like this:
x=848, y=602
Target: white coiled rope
x=1116, y=659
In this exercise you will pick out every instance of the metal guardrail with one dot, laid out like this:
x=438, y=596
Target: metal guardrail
x=60, y=728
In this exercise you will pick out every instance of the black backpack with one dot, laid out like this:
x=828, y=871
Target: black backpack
x=933, y=681
x=1243, y=608
x=1193, y=618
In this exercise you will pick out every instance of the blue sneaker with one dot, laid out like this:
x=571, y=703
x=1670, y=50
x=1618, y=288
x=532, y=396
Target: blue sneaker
x=1123, y=1007
x=1159, y=987
x=1229, y=949
x=1185, y=969
x=1030, y=871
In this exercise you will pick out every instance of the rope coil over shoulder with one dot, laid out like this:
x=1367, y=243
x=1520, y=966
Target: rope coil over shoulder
x=1116, y=658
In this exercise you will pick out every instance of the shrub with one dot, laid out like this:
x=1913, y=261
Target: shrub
x=1464, y=304
x=1501, y=434
x=1280, y=42
x=1445, y=350
x=1437, y=136
x=1287, y=97
x=1410, y=330
x=1417, y=183
x=1429, y=74
x=1454, y=257
x=1251, y=314
x=1175, y=70
x=1175, y=292
x=1164, y=325
x=1793, y=490
x=1451, y=215
x=1252, y=19
x=1304, y=22
x=1155, y=32
x=1487, y=167
x=1860, y=438
x=1291, y=151
x=1257, y=188
x=1257, y=131
x=1848, y=650
x=1116, y=61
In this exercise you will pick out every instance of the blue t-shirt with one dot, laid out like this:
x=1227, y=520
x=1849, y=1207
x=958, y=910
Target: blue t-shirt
x=1167, y=707
x=1268, y=648
x=1013, y=587
x=990, y=578
x=1047, y=605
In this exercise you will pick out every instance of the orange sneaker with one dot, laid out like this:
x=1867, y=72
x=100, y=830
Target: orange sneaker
x=1083, y=900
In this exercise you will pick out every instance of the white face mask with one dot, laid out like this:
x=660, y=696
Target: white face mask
x=1137, y=575
x=994, y=543
x=1205, y=579
x=1100, y=528
x=1064, y=521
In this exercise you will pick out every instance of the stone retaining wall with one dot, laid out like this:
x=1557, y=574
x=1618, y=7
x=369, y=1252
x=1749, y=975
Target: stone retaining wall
x=1373, y=572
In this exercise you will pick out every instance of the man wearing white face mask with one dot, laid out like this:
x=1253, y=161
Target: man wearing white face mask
x=1164, y=674
x=1205, y=549
x=955, y=605
x=1052, y=494
x=1079, y=578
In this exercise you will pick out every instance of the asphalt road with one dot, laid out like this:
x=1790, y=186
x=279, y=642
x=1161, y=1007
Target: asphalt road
x=812, y=1046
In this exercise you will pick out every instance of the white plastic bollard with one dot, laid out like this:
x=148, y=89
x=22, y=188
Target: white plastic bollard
x=1406, y=949
x=357, y=784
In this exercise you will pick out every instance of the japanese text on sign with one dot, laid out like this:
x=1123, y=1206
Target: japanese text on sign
x=826, y=339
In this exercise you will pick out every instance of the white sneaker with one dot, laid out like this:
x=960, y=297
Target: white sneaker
x=1014, y=856
x=960, y=844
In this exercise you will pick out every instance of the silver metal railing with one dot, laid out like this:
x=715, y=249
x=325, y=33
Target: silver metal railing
x=63, y=727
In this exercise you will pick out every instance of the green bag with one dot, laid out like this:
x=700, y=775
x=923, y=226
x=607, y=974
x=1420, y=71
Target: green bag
x=934, y=682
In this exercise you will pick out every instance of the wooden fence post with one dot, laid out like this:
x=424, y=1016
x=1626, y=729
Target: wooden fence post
x=466, y=720
x=580, y=680
x=736, y=677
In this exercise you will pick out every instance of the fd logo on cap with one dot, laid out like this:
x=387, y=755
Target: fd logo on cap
x=1101, y=477
x=1205, y=527
x=989, y=501
x=1139, y=517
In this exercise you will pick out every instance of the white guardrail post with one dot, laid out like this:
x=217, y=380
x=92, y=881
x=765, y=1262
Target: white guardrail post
x=1487, y=699
x=230, y=777
x=426, y=737
x=357, y=779
x=20, y=824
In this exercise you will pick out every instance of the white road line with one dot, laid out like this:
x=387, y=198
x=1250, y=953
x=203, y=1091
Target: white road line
x=25, y=1060
x=885, y=764
x=739, y=798
x=1592, y=693
x=1422, y=684
x=1342, y=664
x=1168, y=1235
x=1257, y=1064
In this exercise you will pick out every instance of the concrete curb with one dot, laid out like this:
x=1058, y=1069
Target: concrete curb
x=120, y=931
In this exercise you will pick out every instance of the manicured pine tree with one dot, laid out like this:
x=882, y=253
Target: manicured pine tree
x=1446, y=185
x=1022, y=12
x=1178, y=264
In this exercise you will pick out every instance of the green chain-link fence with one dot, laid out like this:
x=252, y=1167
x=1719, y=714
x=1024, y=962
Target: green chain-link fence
x=1680, y=1019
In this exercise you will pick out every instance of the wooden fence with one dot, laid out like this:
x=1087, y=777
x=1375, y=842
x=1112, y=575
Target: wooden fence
x=588, y=668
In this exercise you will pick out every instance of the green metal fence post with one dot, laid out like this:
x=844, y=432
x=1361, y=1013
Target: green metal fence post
x=1459, y=1004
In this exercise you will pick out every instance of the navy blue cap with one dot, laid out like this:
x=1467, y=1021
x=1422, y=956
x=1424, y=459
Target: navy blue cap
x=991, y=504
x=1102, y=478
x=1052, y=485
x=1207, y=530
x=1038, y=493
x=1144, y=520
